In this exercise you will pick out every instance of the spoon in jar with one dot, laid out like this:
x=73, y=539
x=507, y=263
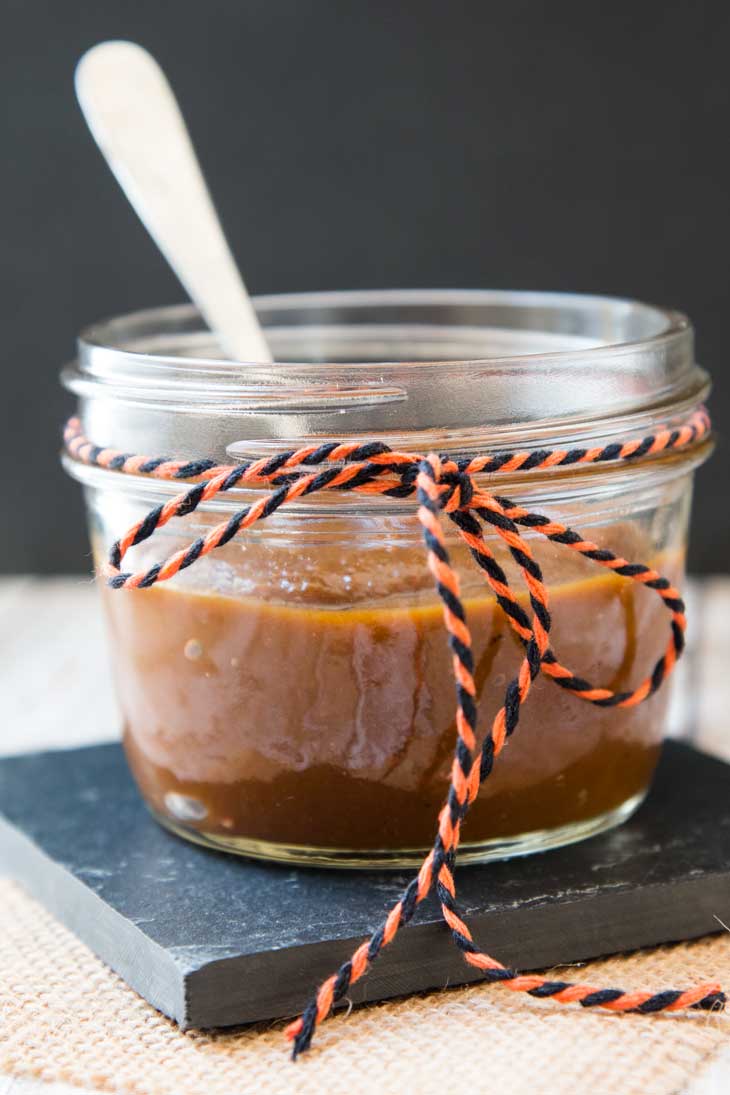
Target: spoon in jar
x=134, y=117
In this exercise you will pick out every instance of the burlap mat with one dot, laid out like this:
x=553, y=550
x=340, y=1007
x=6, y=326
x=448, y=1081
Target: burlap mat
x=66, y=1017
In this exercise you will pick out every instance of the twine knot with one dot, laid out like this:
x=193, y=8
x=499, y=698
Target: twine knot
x=456, y=487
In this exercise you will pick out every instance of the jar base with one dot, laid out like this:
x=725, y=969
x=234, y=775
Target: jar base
x=298, y=855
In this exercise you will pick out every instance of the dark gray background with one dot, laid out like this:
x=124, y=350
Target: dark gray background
x=576, y=146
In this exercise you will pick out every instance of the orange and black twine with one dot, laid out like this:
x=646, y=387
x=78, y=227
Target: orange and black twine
x=441, y=486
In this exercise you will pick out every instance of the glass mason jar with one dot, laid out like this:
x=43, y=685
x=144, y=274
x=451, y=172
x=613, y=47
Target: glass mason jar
x=290, y=696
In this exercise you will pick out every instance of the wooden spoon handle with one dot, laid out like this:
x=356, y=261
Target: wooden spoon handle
x=136, y=121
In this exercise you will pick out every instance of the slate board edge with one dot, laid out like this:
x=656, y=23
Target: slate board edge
x=63, y=895
x=422, y=958
x=192, y=990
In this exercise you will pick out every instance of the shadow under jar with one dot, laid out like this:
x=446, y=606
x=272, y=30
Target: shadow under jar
x=291, y=695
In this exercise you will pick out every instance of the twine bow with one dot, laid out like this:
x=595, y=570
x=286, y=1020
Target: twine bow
x=443, y=487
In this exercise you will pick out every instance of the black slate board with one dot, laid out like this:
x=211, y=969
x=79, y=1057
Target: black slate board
x=215, y=940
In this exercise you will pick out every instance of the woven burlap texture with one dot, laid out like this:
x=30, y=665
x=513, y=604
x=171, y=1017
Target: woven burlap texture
x=66, y=1017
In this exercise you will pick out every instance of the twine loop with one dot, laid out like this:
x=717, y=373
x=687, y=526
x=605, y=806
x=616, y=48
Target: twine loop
x=444, y=488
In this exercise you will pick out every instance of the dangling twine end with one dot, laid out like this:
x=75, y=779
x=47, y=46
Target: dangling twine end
x=713, y=999
x=296, y=1033
x=293, y=1029
x=707, y=997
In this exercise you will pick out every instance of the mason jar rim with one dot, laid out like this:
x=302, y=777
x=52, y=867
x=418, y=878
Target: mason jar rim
x=589, y=367
x=113, y=333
